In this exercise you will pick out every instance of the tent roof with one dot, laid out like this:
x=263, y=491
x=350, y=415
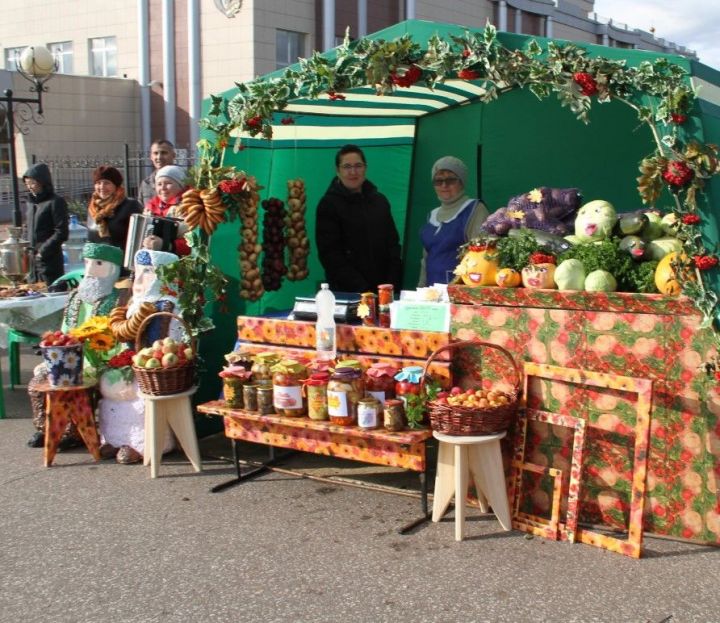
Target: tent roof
x=365, y=118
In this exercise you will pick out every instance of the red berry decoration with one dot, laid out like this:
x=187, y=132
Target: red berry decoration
x=587, y=84
x=335, y=96
x=542, y=258
x=254, y=122
x=678, y=117
x=232, y=187
x=408, y=78
x=287, y=121
x=677, y=173
x=690, y=219
x=705, y=262
x=468, y=74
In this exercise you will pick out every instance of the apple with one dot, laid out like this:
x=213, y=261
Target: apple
x=189, y=354
x=157, y=345
x=140, y=359
x=158, y=354
x=455, y=391
x=169, y=348
x=153, y=362
x=169, y=359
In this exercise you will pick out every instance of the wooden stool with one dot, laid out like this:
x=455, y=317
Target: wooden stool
x=459, y=456
x=68, y=404
x=174, y=411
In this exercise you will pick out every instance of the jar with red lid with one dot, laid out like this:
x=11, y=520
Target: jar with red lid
x=321, y=366
x=380, y=381
x=345, y=389
x=408, y=382
x=315, y=391
x=385, y=297
x=287, y=382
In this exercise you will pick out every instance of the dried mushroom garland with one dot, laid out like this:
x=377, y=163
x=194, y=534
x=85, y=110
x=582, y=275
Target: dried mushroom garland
x=273, y=264
x=251, y=286
x=297, y=239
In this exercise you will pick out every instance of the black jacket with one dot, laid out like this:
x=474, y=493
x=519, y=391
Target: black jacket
x=47, y=224
x=357, y=240
x=118, y=224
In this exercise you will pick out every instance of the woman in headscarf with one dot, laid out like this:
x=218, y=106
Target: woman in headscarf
x=452, y=224
x=110, y=209
x=47, y=223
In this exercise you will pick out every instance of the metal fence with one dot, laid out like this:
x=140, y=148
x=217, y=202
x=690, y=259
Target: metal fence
x=72, y=176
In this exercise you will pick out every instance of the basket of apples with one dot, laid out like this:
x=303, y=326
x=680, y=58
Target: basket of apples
x=474, y=411
x=167, y=366
x=63, y=355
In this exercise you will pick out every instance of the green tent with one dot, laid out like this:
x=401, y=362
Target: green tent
x=511, y=145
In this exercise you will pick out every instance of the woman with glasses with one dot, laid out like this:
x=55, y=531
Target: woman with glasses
x=358, y=243
x=453, y=223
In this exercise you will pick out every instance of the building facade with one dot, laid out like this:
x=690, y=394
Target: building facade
x=173, y=54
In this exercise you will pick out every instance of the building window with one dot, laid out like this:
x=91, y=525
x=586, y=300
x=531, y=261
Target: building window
x=63, y=54
x=12, y=57
x=289, y=46
x=103, y=56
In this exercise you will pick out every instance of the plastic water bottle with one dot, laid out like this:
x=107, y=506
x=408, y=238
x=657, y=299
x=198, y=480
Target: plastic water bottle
x=325, y=346
x=73, y=247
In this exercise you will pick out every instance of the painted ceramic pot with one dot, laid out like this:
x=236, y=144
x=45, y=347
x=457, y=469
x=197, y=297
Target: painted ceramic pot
x=64, y=365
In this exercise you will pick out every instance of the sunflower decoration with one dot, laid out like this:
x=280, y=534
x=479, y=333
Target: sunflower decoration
x=100, y=344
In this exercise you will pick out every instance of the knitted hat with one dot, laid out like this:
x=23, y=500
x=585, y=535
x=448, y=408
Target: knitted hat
x=106, y=252
x=106, y=172
x=174, y=172
x=451, y=163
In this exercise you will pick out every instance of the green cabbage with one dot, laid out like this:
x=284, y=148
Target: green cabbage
x=600, y=281
x=570, y=275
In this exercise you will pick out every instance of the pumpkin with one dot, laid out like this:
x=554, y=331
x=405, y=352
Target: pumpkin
x=665, y=276
x=508, y=278
x=478, y=266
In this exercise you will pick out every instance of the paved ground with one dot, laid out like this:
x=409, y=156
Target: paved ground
x=82, y=541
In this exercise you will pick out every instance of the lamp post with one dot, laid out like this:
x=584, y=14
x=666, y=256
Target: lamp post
x=37, y=65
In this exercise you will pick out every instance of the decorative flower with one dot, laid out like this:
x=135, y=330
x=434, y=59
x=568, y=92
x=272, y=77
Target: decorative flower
x=335, y=96
x=587, y=84
x=99, y=341
x=690, y=219
x=233, y=187
x=677, y=173
x=406, y=77
x=542, y=258
x=535, y=195
x=678, y=118
x=468, y=74
x=705, y=262
x=254, y=122
x=122, y=359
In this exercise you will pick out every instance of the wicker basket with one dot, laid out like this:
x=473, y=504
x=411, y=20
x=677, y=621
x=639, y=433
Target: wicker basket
x=455, y=420
x=165, y=381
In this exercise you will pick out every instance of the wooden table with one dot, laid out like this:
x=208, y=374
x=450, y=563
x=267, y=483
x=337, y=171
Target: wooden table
x=405, y=449
x=64, y=405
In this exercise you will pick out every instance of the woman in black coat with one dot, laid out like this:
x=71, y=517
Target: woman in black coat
x=110, y=209
x=356, y=237
x=47, y=223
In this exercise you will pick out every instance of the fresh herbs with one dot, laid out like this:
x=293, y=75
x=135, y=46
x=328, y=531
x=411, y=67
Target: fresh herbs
x=515, y=251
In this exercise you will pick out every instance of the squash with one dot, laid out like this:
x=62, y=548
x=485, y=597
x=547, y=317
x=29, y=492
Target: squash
x=478, y=266
x=665, y=276
x=508, y=278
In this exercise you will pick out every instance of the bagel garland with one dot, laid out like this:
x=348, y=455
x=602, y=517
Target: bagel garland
x=296, y=236
x=202, y=208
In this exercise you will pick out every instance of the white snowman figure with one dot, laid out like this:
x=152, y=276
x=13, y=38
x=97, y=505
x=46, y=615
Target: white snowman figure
x=121, y=410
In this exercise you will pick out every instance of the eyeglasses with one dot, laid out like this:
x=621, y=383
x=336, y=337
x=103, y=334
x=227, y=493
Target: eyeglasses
x=358, y=166
x=446, y=181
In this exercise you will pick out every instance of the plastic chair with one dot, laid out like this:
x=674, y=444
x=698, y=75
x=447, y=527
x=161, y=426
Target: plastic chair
x=2, y=397
x=73, y=279
x=15, y=337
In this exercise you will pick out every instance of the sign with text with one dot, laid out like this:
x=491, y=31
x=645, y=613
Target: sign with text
x=420, y=316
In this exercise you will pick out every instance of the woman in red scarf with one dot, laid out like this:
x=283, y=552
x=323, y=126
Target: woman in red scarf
x=169, y=185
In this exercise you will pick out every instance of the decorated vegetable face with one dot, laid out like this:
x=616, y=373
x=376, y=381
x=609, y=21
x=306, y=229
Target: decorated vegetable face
x=540, y=273
x=634, y=245
x=595, y=221
x=508, y=278
x=479, y=266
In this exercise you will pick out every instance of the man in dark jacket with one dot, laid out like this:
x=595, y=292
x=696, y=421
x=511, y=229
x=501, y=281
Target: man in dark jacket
x=162, y=154
x=357, y=240
x=47, y=223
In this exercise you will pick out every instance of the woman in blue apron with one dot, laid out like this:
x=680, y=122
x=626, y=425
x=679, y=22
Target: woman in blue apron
x=453, y=223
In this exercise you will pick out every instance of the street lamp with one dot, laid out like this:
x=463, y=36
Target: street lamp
x=37, y=65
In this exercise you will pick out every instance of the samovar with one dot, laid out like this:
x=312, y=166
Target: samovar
x=15, y=257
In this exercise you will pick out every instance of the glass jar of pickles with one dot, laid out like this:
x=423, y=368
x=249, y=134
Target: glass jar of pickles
x=262, y=367
x=408, y=382
x=287, y=381
x=380, y=381
x=234, y=378
x=345, y=388
x=239, y=358
x=315, y=390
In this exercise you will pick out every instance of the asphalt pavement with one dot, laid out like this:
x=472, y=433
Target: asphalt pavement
x=84, y=541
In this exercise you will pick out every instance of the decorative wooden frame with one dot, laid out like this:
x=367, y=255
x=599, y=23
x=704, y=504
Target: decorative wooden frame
x=632, y=546
x=554, y=528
